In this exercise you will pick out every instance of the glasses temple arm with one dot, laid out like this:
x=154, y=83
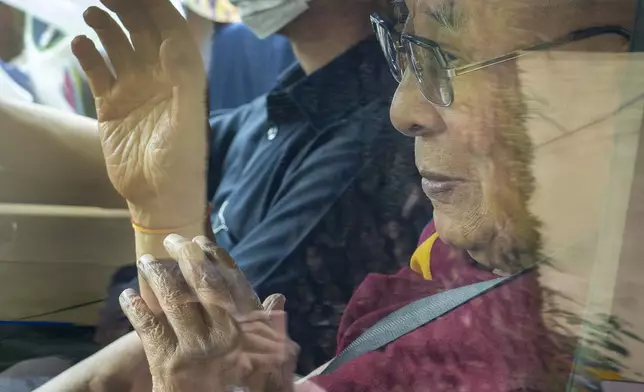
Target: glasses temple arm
x=572, y=37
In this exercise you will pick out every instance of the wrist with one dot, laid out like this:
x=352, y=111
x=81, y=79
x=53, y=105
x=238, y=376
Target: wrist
x=160, y=215
x=150, y=241
x=152, y=224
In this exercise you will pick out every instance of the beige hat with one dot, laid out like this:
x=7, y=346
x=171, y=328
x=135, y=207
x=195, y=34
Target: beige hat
x=217, y=10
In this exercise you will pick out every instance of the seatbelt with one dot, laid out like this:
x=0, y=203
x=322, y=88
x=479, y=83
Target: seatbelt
x=411, y=317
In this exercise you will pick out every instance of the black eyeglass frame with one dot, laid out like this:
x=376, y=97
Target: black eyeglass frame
x=400, y=40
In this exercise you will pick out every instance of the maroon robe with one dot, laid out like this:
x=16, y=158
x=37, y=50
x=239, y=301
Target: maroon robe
x=495, y=343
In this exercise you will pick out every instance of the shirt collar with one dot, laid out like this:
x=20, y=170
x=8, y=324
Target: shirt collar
x=355, y=78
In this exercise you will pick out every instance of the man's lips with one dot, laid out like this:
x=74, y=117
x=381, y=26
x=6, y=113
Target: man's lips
x=439, y=187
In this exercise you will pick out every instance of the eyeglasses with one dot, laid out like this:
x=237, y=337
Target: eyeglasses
x=431, y=64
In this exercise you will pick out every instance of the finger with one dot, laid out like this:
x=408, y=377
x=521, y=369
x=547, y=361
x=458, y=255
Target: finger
x=144, y=34
x=255, y=344
x=202, y=276
x=278, y=365
x=211, y=250
x=225, y=332
x=241, y=291
x=274, y=302
x=183, y=65
x=181, y=308
x=261, y=329
x=155, y=334
x=99, y=77
x=270, y=353
x=277, y=319
x=168, y=20
x=118, y=47
x=273, y=362
x=270, y=325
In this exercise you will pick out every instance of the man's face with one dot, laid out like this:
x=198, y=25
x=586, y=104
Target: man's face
x=476, y=155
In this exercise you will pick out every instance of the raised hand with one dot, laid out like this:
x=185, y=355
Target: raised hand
x=213, y=334
x=151, y=109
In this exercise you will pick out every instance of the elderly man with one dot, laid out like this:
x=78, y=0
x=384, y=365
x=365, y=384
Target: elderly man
x=466, y=70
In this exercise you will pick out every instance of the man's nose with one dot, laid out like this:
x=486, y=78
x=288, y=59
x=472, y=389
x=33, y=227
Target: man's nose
x=411, y=113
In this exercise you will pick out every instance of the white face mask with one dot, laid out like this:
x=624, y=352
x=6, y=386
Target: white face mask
x=267, y=17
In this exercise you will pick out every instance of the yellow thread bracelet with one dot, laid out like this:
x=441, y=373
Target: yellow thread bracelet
x=145, y=230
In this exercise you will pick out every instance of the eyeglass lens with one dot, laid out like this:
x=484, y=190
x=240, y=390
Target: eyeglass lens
x=432, y=78
x=388, y=47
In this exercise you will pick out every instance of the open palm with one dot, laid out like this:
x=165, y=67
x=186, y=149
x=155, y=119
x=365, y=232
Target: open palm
x=151, y=109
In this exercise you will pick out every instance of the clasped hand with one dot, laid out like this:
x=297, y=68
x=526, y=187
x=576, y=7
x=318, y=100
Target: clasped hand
x=212, y=333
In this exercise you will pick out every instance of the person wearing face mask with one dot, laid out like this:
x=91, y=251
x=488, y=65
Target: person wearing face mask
x=314, y=181
x=242, y=66
x=305, y=182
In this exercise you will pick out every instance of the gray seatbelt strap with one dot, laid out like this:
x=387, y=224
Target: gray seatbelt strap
x=411, y=317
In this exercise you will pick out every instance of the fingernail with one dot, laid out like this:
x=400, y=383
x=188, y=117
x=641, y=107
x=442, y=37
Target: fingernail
x=79, y=38
x=93, y=16
x=145, y=261
x=275, y=302
x=280, y=302
x=201, y=241
x=269, y=303
x=78, y=42
x=126, y=296
x=173, y=239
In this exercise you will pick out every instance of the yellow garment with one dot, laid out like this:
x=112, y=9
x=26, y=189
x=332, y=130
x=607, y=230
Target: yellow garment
x=420, y=258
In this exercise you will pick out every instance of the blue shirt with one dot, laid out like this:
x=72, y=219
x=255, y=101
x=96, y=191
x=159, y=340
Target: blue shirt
x=243, y=67
x=312, y=188
x=22, y=79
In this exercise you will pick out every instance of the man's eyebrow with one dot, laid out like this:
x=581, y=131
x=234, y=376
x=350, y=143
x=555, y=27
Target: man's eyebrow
x=447, y=14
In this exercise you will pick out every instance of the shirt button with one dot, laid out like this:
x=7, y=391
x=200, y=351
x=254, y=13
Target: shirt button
x=272, y=133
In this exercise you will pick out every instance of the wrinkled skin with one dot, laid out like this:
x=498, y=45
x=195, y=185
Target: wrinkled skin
x=151, y=109
x=482, y=141
x=212, y=333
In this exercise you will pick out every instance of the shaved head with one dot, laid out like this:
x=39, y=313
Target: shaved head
x=496, y=26
x=562, y=16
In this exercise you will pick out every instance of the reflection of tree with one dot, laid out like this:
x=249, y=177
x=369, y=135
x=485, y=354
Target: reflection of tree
x=600, y=351
x=602, y=356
